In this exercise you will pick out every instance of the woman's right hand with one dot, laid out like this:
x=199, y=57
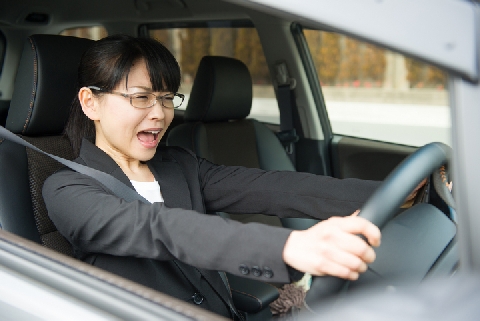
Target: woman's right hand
x=332, y=247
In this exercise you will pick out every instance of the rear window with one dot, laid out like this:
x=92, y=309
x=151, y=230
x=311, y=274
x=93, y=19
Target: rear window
x=94, y=33
x=189, y=43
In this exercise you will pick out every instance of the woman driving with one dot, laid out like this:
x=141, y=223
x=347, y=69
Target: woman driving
x=127, y=91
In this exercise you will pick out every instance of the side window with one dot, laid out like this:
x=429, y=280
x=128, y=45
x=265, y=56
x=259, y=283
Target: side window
x=190, y=44
x=376, y=94
x=94, y=33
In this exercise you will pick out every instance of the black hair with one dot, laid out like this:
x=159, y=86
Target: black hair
x=106, y=63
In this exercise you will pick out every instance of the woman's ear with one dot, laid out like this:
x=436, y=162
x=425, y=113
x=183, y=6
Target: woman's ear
x=89, y=103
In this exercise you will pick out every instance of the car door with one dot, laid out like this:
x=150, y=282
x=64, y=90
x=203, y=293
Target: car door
x=376, y=106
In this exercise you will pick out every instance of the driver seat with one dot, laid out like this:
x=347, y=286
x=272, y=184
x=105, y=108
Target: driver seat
x=43, y=92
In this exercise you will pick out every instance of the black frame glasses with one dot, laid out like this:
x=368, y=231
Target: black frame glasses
x=147, y=99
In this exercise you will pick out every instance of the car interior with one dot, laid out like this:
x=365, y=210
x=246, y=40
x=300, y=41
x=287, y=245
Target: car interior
x=38, y=84
x=39, y=121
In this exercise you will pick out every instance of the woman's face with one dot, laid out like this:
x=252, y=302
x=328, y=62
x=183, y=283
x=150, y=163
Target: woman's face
x=127, y=133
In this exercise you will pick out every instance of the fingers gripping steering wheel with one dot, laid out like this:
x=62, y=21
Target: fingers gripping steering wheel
x=440, y=180
x=384, y=203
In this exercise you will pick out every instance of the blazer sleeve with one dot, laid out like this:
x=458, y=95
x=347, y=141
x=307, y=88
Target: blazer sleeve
x=281, y=193
x=95, y=221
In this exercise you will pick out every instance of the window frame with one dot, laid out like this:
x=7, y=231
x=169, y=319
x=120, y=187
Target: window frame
x=313, y=81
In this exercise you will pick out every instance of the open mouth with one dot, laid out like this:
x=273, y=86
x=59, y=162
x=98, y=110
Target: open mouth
x=149, y=138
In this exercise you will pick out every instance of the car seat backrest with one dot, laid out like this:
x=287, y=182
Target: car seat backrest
x=216, y=125
x=45, y=87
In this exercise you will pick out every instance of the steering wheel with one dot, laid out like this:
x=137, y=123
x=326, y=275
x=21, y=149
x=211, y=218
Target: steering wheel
x=385, y=201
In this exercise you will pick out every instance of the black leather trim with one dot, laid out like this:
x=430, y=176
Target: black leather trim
x=45, y=85
x=251, y=296
x=16, y=214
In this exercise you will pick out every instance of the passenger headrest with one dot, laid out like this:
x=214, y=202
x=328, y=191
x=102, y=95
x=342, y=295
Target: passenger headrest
x=45, y=84
x=222, y=91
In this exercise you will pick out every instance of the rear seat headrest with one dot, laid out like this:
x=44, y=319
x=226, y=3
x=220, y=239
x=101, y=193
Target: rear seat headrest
x=45, y=84
x=221, y=91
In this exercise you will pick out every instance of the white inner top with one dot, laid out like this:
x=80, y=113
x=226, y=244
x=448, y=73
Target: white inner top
x=149, y=190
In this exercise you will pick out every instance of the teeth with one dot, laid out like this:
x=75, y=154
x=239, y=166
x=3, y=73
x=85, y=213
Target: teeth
x=152, y=131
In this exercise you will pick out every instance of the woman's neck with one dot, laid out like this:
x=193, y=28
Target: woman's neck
x=140, y=173
x=135, y=169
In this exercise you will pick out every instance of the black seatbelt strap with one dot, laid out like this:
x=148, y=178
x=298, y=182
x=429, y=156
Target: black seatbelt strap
x=286, y=100
x=238, y=316
x=117, y=187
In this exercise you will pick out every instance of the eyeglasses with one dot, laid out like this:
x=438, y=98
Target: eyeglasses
x=147, y=100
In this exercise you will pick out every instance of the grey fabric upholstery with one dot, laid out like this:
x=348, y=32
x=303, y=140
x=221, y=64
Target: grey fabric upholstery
x=216, y=127
x=44, y=90
x=45, y=84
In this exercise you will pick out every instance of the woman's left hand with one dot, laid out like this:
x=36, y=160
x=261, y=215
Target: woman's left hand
x=411, y=198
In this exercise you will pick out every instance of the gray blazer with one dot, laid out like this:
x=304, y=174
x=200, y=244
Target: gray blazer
x=174, y=246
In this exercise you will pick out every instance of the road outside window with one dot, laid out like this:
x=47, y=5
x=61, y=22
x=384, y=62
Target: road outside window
x=377, y=94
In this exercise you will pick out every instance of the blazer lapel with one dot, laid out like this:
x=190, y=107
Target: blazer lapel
x=173, y=184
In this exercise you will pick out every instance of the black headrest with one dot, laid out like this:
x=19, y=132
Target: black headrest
x=222, y=91
x=45, y=84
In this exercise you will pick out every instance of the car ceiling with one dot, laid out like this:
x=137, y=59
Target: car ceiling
x=117, y=16
x=87, y=12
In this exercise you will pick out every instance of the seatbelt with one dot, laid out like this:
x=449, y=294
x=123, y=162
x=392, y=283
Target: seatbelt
x=117, y=187
x=110, y=182
x=286, y=100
